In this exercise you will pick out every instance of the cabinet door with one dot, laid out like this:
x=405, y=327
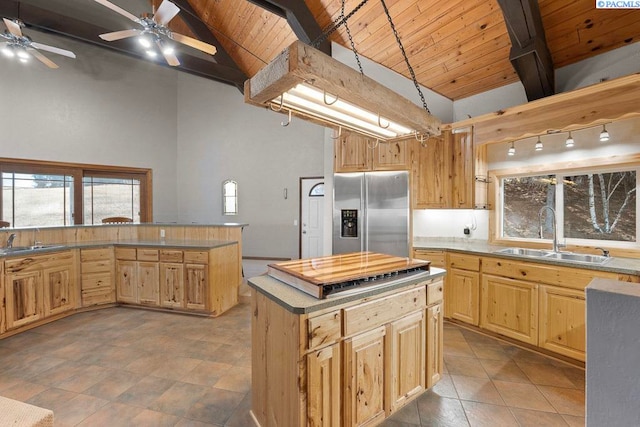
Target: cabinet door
x=435, y=357
x=59, y=290
x=462, y=176
x=126, y=282
x=323, y=387
x=430, y=174
x=148, y=283
x=353, y=153
x=437, y=258
x=393, y=155
x=462, y=296
x=25, y=300
x=364, y=379
x=405, y=368
x=196, y=286
x=510, y=307
x=172, y=285
x=562, y=321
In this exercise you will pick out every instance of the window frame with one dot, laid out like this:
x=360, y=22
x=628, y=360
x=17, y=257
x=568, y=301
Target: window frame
x=234, y=197
x=559, y=170
x=80, y=170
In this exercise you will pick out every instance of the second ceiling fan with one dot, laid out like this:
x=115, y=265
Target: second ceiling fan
x=155, y=31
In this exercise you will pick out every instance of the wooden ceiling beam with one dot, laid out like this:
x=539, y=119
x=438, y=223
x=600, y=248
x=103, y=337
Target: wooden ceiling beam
x=203, y=33
x=51, y=22
x=530, y=55
x=299, y=18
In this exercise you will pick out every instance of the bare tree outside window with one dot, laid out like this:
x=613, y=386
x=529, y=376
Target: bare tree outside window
x=522, y=199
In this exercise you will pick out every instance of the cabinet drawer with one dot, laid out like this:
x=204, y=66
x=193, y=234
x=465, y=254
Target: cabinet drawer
x=437, y=258
x=375, y=313
x=128, y=254
x=435, y=292
x=96, y=281
x=464, y=262
x=324, y=329
x=89, y=267
x=170, y=256
x=99, y=254
x=147, y=254
x=196, y=257
x=98, y=296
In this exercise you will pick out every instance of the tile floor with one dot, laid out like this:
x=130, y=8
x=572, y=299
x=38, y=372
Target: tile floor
x=131, y=367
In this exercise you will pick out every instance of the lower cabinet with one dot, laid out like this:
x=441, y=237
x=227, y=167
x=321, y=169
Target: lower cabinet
x=196, y=286
x=563, y=321
x=24, y=291
x=171, y=285
x=148, y=283
x=510, y=307
x=324, y=386
x=434, y=344
x=97, y=271
x=463, y=296
x=127, y=281
x=59, y=290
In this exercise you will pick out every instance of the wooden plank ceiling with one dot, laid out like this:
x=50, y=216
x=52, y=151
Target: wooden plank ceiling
x=457, y=48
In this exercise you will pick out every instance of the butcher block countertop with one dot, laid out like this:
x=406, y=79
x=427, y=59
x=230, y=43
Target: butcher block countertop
x=335, y=268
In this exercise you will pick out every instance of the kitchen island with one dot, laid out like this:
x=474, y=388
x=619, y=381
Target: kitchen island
x=349, y=359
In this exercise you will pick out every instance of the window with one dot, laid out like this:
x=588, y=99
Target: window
x=591, y=206
x=36, y=193
x=317, y=190
x=230, y=197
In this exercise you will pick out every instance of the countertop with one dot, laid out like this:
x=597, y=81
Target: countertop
x=168, y=244
x=483, y=248
x=299, y=302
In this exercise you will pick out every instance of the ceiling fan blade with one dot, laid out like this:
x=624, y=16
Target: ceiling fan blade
x=165, y=12
x=119, y=10
x=40, y=57
x=52, y=49
x=117, y=35
x=169, y=56
x=13, y=27
x=196, y=44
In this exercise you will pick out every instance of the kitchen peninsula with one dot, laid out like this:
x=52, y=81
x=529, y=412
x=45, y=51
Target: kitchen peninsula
x=350, y=358
x=88, y=267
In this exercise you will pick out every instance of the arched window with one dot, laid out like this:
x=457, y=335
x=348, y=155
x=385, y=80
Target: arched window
x=229, y=197
x=317, y=190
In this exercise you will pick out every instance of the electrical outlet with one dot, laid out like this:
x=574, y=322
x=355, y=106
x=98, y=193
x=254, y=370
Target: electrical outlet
x=467, y=231
x=162, y=233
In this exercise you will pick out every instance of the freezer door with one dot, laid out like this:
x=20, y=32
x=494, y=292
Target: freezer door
x=387, y=212
x=348, y=189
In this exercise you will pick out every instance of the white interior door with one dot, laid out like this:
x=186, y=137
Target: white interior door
x=312, y=217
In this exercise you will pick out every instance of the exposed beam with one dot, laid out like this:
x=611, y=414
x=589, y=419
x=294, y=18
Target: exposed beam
x=529, y=54
x=202, y=32
x=56, y=23
x=299, y=18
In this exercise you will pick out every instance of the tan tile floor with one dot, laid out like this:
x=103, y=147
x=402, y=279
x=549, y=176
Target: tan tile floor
x=131, y=367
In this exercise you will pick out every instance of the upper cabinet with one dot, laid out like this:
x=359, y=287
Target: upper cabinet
x=449, y=172
x=357, y=153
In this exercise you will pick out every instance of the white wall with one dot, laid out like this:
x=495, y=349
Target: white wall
x=101, y=108
x=489, y=101
x=450, y=223
x=220, y=137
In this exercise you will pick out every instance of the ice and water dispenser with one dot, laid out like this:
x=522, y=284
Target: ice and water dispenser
x=349, y=223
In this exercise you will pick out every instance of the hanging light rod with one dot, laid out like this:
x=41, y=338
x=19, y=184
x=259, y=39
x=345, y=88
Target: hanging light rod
x=316, y=87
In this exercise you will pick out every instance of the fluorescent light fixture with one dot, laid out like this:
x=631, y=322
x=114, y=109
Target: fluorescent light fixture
x=512, y=150
x=312, y=85
x=569, y=142
x=604, y=135
x=539, y=145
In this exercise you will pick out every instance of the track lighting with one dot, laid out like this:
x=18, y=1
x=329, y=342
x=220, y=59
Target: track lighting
x=512, y=150
x=539, y=144
x=569, y=142
x=604, y=135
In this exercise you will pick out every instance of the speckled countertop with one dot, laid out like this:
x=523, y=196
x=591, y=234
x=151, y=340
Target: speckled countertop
x=166, y=244
x=483, y=248
x=299, y=302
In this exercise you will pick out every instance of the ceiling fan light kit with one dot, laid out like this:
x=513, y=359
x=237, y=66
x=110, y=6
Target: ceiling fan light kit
x=24, y=47
x=310, y=84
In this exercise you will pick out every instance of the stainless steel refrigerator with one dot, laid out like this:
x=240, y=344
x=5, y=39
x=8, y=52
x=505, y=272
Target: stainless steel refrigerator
x=371, y=212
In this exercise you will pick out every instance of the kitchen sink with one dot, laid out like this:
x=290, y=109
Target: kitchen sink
x=568, y=256
x=562, y=256
x=18, y=249
x=523, y=252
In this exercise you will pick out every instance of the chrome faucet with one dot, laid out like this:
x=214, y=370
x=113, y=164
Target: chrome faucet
x=10, y=240
x=554, y=224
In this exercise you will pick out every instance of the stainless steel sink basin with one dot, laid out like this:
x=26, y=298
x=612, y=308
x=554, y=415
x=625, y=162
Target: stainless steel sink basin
x=567, y=256
x=17, y=249
x=523, y=252
x=562, y=256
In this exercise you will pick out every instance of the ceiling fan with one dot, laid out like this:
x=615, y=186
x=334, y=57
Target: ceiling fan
x=23, y=47
x=154, y=31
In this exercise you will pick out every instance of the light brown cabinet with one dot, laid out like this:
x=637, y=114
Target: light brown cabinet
x=196, y=286
x=510, y=307
x=127, y=281
x=430, y=173
x=562, y=321
x=171, y=285
x=462, y=288
x=97, y=282
x=357, y=153
x=59, y=292
x=148, y=283
x=24, y=292
x=434, y=344
x=437, y=258
x=324, y=387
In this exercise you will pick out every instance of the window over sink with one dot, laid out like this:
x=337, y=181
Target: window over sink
x=592, y=205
